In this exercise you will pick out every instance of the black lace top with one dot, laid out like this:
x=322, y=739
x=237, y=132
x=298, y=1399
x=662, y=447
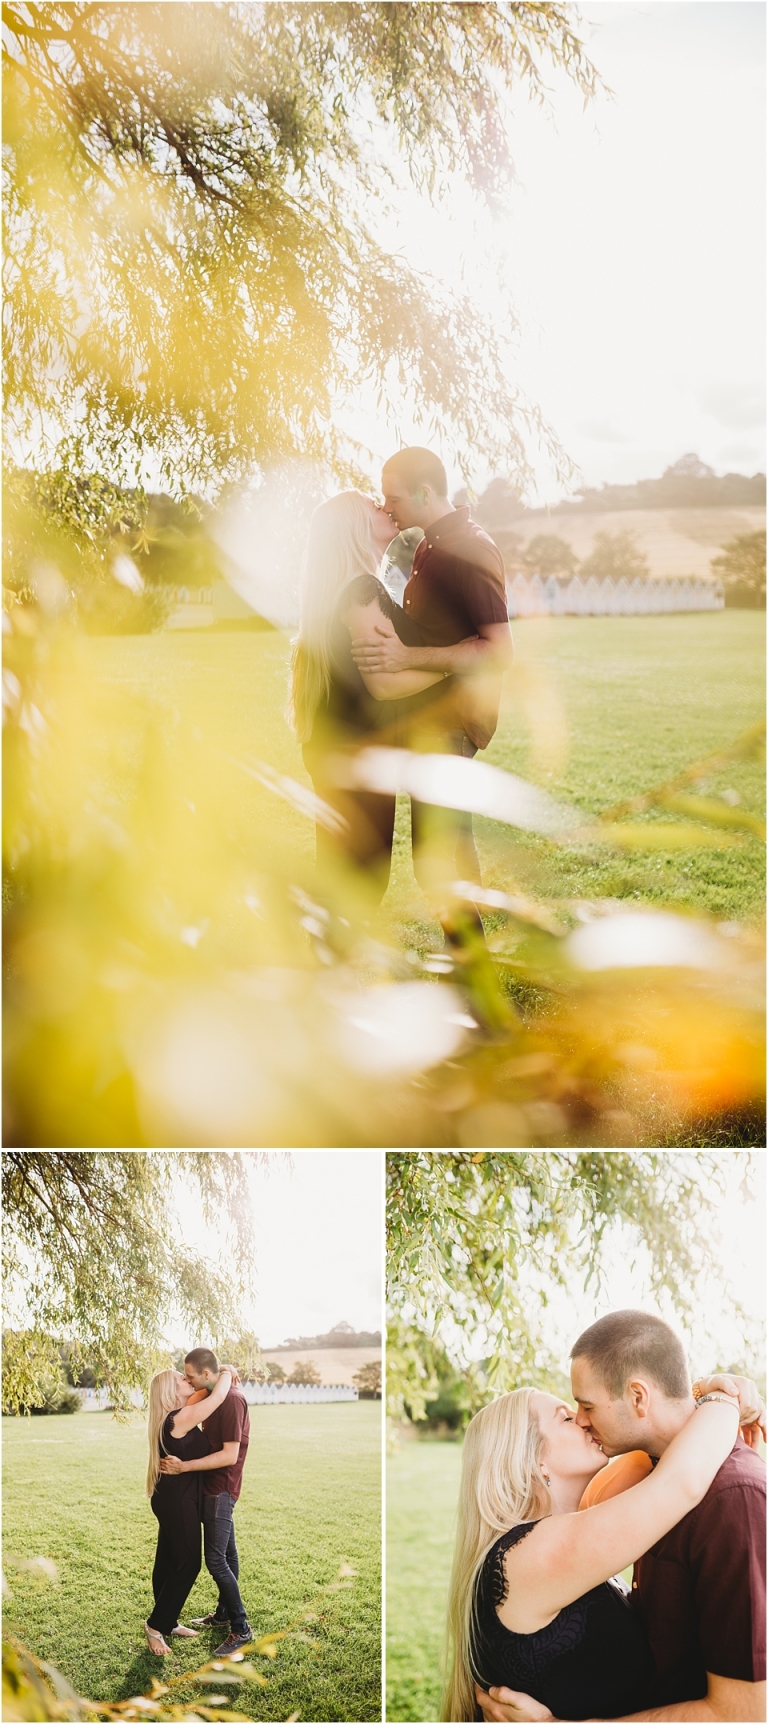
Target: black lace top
x=349, y=712
x=174, y=1486
x=591, y=1661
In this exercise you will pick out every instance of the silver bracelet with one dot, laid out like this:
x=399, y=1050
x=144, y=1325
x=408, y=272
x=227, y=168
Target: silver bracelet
x=730, y=1400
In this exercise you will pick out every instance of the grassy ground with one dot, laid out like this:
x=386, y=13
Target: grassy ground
x=310, y=1501
x=597, y=709
x=422, y=1491
x=604, y=708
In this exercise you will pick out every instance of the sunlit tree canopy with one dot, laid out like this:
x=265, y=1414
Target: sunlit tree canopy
x=91, y=1248
x=193, y=201
x=476, y=1243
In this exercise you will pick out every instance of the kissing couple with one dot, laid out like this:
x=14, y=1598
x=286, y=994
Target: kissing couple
x=541, y=1624
x=423, y=675
x=198, y=1431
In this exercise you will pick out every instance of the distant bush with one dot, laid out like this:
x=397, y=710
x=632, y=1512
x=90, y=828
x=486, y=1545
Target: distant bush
x=613, y=556
x=305, y=1373
x=741, y=568
x=546, y=554
x=367, y=1381
x=35, y=1378
x=59, y=1399
x=456, y=1398
x=56, y=1397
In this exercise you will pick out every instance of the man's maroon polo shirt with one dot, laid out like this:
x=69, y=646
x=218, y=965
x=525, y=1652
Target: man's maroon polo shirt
x=456, y=588
x=701, y=1589
x=229, y=1423
x=457, y=581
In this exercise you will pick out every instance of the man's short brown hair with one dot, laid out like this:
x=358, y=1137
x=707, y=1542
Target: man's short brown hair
x=626, y=1342
x=419, y=467
x=202, y=1359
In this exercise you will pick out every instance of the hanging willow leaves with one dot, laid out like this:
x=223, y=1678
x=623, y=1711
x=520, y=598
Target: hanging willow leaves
x=91, y=1251
x=193, y=197
x=475, y=1244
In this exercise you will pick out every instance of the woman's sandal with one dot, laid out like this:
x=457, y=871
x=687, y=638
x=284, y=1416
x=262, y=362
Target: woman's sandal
x=156, y=1641
x=186, y=1633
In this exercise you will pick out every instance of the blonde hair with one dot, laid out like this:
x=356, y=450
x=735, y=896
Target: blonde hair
x=502, y=1484
x=163, y=1399
x=340, y=547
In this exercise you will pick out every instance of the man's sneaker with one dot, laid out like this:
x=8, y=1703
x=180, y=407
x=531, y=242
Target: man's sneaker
x=233, y=1643
x=212, y=1620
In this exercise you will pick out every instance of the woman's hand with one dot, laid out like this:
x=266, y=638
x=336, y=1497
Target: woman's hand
x=505, y=1706
x=752, y=1414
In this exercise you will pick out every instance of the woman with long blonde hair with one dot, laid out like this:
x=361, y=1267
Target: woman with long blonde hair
x=334, y=704
x=173, y=1428
x=533, y=1606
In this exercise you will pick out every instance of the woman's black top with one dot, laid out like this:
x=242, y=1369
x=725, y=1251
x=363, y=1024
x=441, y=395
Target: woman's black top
x=592, y=1661
x=349, y=712
x=172, y=1487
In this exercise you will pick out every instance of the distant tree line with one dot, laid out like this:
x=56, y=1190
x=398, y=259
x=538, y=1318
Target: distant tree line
x=342, y=1337
x=105, y=555
x=688, y=484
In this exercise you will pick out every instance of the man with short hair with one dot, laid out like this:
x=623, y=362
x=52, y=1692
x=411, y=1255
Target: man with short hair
x=228, y=1432
x=701, y=1589
x=456, y=595
x=456, y=592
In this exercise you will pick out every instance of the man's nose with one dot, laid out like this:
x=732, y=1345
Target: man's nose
x=582, y=1418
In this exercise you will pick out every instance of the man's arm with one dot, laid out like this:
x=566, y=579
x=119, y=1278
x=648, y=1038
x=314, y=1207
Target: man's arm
x=224, y=1457
x=725, y=1702
x=489, y=649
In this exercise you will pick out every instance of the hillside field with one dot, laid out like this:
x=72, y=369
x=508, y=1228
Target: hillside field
x=675, y=541
x=335, y=1364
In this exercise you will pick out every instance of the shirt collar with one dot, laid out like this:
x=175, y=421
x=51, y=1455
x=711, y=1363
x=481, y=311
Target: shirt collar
x=447, y=525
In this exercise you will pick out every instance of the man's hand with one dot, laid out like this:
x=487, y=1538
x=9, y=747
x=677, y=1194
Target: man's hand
x=752, y=1414
x=505, y=1706
x=171, y=1464
x=387, y=652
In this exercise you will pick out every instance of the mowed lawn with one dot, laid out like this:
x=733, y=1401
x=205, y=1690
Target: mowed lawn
x=596, y=710
x=74, y=1492
x=422, y=1494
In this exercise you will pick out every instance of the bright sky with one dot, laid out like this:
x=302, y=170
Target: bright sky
x=715, y=1337
x=319, y=1230
x=633, y=246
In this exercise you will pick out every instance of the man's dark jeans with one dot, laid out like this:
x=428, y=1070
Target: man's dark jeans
x=221, y=1559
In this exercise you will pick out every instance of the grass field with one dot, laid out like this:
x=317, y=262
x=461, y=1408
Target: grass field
x=597, y=709
x=310, y=1501
x=422, y=1491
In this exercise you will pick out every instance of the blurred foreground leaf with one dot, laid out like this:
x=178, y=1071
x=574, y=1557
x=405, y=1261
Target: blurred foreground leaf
x=186, y=976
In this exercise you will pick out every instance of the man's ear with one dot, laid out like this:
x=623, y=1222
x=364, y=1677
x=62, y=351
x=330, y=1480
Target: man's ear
x=639, y=1394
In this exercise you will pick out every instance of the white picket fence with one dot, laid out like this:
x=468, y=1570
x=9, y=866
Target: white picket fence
x=532, y=596
x=256, y=1394
x=272, y=1394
